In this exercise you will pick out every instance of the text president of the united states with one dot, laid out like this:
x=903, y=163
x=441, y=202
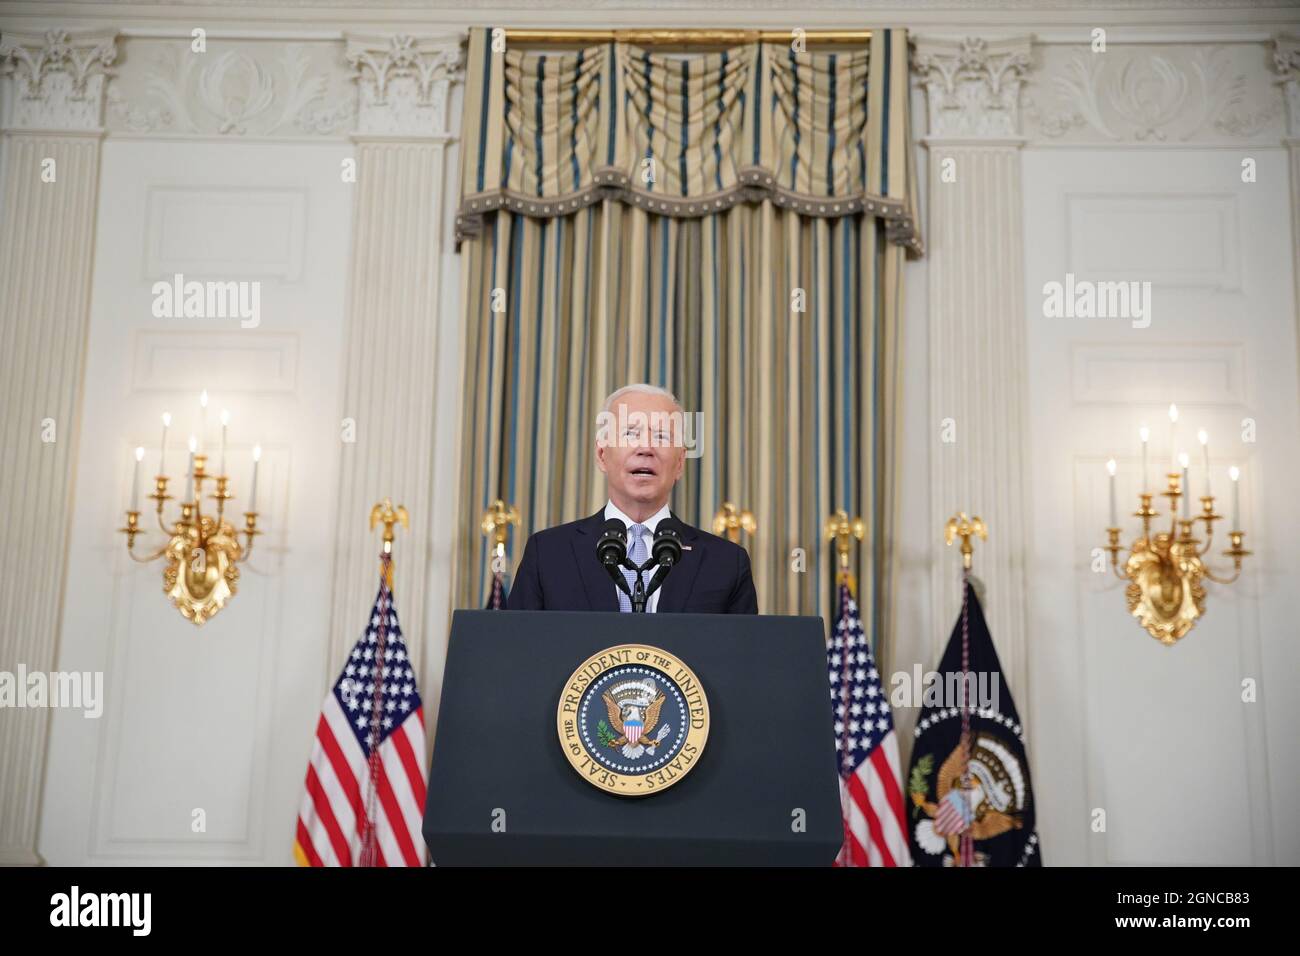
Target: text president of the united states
x=640, y=448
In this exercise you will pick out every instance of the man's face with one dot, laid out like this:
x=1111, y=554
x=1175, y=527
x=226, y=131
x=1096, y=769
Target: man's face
x=640, y=448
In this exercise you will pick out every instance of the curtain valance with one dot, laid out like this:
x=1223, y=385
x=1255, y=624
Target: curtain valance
x=823, y=134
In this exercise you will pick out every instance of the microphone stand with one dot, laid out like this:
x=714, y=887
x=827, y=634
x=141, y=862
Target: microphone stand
x=640, y=597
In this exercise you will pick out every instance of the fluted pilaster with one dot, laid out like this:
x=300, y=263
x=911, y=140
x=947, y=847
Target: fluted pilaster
x=391, y=377
x=977, y=337
x=51, y=172
x=1286, y=62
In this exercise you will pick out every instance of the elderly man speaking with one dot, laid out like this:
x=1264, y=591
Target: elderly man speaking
x=642, y=457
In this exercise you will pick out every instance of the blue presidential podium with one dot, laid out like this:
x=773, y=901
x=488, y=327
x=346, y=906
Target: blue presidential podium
x=603, y=739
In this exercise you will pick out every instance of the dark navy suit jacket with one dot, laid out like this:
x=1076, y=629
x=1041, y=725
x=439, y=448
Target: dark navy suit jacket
x=560, y=572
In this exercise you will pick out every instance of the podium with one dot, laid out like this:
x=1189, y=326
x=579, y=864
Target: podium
x=763, y=790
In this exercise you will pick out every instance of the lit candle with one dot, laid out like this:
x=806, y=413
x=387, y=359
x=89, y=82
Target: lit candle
x=225, y=420
x=1173, y=435
x=135, y=479
x=1145, y=434
x=252, y=494
x=1183, y=461
x=203, y=418
x=1204, y=437
x=1234, y=473
x=162, y=448
x=1114, y=520
x=189, y=484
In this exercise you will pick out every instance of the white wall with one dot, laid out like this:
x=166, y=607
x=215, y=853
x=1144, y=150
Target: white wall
x=217, y=718
x=1159, y=737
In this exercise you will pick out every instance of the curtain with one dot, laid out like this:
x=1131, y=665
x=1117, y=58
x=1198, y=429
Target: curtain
x=731, y=226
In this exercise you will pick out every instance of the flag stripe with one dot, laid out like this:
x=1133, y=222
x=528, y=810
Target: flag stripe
x=321, y=803
x=304, y=844
x=394, y=821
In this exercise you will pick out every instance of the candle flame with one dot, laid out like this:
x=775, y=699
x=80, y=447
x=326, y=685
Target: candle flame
x=1234, y=472
x=1173, y=412
x=1110, y=467
x=139, y=453
x=194, y=444
x=1183, y=459
x=225, y=417
x=1203, y=436
x=167, y=419
x=203, y=398
x=1144, y=433
x=257, y=453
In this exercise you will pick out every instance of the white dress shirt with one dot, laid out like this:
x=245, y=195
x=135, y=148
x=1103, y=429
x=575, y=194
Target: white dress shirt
x=612, y=511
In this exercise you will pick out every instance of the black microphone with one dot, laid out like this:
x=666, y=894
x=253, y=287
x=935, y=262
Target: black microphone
x=667, y=547
x=611, y=546
x=611, y=551
x=666, y=551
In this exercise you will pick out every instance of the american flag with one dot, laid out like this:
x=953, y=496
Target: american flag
x=364, y=803
x=871, y=796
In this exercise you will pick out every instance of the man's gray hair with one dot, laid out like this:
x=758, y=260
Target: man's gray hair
x=644, y=389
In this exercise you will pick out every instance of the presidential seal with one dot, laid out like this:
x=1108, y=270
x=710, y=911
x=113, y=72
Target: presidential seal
x=633, y=720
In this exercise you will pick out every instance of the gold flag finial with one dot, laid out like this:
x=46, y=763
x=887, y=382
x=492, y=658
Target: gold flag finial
x=385, y=513
x=960, y=526
x=731, y=520
x=842, y=529
x=496, y=525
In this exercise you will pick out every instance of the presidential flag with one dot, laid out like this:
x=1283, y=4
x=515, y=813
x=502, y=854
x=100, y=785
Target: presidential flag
x=972, y=803
x=871, y=796
x=364, y=802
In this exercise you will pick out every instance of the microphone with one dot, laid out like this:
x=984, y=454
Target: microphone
x=666, y=551
x=611, y=551
x=611, y=546
x=667, y=547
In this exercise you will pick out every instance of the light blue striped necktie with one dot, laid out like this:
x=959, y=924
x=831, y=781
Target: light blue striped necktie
x=637, y=552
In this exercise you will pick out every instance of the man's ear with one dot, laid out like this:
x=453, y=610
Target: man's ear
x=600, y=457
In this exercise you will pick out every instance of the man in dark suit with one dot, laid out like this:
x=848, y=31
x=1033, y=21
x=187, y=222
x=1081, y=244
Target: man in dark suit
x=640, y=448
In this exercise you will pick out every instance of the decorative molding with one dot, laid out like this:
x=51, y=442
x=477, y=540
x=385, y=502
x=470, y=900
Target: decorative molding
x=58, y=79
x=1286, y=63
x=404, y=82
x=972, y=85
x=1190, y=374
x=1175, y=240
x=1153, y=94
x=249, y=89
x=256, y=363
x=248, y=232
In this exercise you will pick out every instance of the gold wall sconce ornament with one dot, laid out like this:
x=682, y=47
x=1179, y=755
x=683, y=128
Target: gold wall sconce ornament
x=202, y=550
x=967, y=529
x=731, y=520
x=1165, y=570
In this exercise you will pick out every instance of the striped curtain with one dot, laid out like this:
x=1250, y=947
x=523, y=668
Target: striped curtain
x=731, y=226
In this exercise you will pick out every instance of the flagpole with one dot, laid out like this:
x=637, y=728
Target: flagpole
x=495, y=525
x=384, y=513
x=959, y=526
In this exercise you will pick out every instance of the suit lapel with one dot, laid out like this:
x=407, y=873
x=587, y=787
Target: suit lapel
x=600, y=588
x=677, y=586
